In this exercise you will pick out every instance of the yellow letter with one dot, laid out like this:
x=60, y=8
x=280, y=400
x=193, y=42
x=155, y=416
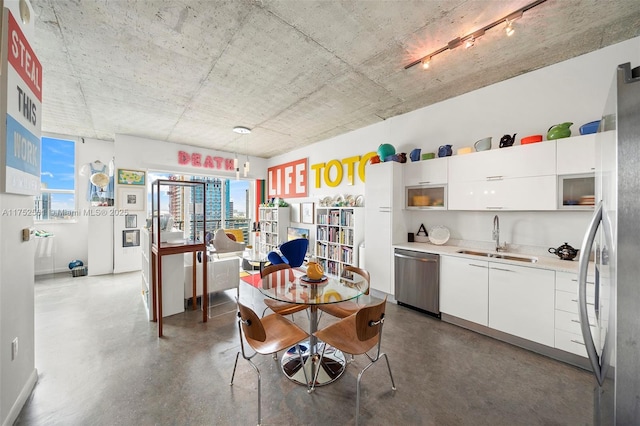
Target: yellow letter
x=363, y=162
x=327, y=173
x=349, y=161
x=317, y=168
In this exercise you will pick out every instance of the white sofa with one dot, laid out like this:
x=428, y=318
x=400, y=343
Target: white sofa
x=222, y=274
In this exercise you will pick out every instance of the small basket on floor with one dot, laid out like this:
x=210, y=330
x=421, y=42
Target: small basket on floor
x=79, y=271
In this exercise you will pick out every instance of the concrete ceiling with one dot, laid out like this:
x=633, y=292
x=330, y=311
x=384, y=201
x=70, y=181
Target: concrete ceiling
x=294, y=71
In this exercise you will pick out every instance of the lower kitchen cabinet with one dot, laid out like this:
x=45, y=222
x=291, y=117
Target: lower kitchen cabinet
x=568, y=333
x=521, y=302
x=464, y=291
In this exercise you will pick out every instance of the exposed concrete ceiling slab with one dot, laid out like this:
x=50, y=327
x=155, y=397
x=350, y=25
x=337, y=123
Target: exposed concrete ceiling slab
x=295, y=72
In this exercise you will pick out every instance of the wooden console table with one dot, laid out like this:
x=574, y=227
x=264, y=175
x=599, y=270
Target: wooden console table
x=156, y=276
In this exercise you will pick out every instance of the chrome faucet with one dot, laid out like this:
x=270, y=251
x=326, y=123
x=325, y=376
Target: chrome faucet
x=496, y=234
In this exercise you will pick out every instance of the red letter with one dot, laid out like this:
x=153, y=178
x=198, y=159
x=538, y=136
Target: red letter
x=183, y=157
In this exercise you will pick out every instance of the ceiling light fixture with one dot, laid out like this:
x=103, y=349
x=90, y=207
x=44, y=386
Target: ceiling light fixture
x=508, y=29
x=470, y=42
x=246, y=167
x=470, y=39
x=242, y=130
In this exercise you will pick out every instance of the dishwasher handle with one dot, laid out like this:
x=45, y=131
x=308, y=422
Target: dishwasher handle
x=420, y=259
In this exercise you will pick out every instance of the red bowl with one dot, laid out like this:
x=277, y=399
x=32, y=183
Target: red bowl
x=530, y=139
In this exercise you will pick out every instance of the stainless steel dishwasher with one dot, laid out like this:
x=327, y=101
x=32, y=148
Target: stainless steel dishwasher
x=417, y=280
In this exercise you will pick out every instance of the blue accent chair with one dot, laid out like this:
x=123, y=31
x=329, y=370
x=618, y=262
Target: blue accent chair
x=292, y=253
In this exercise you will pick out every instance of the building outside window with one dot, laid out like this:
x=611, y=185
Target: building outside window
x=56, y=200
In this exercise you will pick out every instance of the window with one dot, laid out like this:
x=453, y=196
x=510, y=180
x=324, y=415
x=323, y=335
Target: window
x=227, y=206
x=57, y=177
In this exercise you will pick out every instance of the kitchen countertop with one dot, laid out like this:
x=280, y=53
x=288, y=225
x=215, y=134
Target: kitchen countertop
x=544, y=262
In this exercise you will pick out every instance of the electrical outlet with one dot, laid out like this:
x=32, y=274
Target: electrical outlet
x=14, y=349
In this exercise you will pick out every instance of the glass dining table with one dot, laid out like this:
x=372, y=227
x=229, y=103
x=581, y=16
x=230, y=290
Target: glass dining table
x=293, y=286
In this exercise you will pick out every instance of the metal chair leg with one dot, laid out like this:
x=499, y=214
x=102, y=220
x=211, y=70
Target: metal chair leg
x=393, y=384
x=315, y=377
x=234, y=369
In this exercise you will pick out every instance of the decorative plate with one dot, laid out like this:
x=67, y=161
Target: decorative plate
x=338, y=200
x=325, y=202
x=439, y=235
x=349, y=201
x=360, y=201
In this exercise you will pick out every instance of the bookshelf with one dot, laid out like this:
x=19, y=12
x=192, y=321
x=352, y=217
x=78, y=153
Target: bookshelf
x=339, y=232
x=273, y=228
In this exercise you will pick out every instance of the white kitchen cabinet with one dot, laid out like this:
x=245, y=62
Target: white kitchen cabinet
x=521, y=302
x=514, y=178
x=464, y=291
x=384, y=224
x=538, y=159
x=575, y=166
x=576, y=155
x=426, y=172
x=568, y=333
x=527, y=193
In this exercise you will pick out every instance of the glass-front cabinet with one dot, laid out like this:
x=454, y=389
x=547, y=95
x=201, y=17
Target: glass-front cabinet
x=576, y=192
x=426, y=197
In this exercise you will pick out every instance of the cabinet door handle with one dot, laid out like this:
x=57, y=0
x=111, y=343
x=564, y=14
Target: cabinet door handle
x=478, y=266
x=495, y=177
x=425, y=182
x=576, y=300
x=578, y=321
x=588, y=282
x=577, y=341
x=502, y=269
x=494, y=208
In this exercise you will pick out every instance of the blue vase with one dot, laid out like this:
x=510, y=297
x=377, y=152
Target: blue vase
x=445, y=151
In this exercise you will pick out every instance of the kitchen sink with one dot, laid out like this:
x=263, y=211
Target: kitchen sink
x=499, y=256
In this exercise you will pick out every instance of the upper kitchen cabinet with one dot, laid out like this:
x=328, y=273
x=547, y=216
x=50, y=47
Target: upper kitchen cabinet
x=426, y=184
x=514, y=178
x=576, y=155
x=576, y=164
x=426, y=172
x=538, y=159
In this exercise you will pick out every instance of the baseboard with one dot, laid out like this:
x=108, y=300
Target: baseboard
x=22, y=398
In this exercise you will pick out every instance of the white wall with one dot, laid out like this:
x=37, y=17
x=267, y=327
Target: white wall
x=19, y=375
x=573, y=91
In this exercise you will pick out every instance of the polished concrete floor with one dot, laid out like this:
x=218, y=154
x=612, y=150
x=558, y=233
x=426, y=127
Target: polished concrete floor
x=100, y=363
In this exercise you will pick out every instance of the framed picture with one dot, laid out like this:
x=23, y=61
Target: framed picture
x=131, y=238
x=131, y=177
x=131, y=198
x=307, y=213
x=131, y=221
x=294, y=213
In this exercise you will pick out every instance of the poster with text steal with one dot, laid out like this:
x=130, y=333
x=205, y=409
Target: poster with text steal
x=23, y=101
x=288, y=180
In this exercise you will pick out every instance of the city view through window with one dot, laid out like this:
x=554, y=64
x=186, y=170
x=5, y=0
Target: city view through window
x=227, y=202
x=57, y=189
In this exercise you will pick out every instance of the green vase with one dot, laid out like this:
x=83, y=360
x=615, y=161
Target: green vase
x=559, y=131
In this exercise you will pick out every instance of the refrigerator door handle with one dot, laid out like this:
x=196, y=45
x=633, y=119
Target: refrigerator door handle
x=583, y=266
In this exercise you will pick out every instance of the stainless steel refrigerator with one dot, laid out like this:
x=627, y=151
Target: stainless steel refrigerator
x=613, y=239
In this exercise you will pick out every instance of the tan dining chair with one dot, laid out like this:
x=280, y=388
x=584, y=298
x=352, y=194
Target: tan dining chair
x=350, y=307
x=265, y=336
x=281, y=308
x=357, y=334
